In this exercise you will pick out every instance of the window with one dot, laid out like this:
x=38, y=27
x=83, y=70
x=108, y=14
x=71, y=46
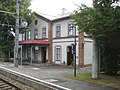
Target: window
x=23, y=36
x=71, y=30
x=58, y=54
x=28, y=35
x=44, y=32
x=36, y=21
x=36, y=34
x=58, y=31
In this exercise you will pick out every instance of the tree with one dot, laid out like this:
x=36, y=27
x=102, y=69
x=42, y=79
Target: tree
x=100, y=22
x=7, y=21
x=88, y=21
x=110, y=50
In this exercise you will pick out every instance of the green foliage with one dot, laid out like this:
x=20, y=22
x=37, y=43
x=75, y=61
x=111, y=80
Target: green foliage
x=25, y=13
x=103, y=23
x=112, y=81
x=6, y=38
x=81, y=76
x=110, y=53
x=96, y=22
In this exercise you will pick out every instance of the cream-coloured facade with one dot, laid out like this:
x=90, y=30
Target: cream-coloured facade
x=50, y=41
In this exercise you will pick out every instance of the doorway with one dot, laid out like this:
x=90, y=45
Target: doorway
x=43, y=54
x=69, y=56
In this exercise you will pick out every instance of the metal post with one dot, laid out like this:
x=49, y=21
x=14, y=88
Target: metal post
x=99, y=53
x=21, y=55
x=75, y=53
x=16, y=35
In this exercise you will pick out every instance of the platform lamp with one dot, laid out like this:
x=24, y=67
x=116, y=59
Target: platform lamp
x=73, y=28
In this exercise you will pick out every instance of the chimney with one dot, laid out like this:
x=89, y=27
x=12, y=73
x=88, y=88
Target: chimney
x=64, y=11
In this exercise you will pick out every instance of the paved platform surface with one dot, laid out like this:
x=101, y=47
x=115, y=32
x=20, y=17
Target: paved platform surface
x=55, y=74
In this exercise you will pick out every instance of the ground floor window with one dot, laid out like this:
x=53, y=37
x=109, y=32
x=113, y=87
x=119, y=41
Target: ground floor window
x=58, y=53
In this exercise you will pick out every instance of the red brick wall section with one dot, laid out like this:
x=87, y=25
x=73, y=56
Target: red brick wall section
x=81, y=49
x=50, y=40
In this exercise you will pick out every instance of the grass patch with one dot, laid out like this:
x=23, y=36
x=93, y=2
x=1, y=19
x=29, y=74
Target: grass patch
x=112, y=81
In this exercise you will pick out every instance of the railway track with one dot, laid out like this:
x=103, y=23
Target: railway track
x=4, y=85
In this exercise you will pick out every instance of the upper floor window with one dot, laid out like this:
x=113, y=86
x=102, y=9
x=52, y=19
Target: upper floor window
x=36, y=34
x=71, y=29
x=44, y=32
x=23, y=36
x=28, y=35
x=36, y=21
x=58, y=31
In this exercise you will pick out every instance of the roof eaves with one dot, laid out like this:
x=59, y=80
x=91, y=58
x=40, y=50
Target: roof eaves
x=42, y=17
x=61, y=18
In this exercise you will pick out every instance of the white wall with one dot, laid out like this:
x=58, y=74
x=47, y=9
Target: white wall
x=64, y=28
x=67, y=42
x=88, y=51
x=64, y=43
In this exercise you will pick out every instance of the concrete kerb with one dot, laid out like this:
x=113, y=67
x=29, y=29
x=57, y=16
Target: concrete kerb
x=31, y=81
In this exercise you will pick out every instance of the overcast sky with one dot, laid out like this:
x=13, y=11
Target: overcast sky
x=54, y=7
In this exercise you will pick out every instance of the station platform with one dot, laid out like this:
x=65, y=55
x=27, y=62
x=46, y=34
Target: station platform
x=55, y=74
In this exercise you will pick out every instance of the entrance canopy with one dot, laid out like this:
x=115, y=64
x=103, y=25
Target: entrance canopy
x=34, y=42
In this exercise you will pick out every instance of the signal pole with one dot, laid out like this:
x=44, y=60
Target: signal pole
x=16, y=35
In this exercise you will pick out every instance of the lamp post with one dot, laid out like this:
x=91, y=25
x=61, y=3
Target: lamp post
x=75, y=53
x=74, y=48
x=16, y=34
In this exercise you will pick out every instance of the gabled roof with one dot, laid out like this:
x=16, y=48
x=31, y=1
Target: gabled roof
x=52, y=19
x=42, y=17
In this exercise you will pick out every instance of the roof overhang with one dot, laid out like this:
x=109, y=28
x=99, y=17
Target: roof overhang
x=34, y=42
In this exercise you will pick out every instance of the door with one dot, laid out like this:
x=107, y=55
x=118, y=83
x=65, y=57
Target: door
x=69, y=56
x=43, y=54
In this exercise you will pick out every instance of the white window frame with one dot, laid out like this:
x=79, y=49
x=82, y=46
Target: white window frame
x=36, y=33
x=23, y=36
x=58, y=53
x=71, y=30
x=58, y=30
x=44, y=32
x=29, y=35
